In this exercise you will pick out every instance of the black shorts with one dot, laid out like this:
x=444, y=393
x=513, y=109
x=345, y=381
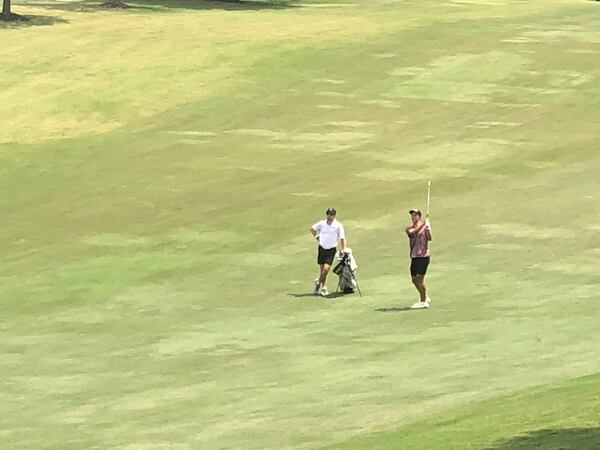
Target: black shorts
x=326, y=256
x=418, y=266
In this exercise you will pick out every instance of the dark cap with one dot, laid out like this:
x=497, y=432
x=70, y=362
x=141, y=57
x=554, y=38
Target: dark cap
x=415, y=210
x=330, y=211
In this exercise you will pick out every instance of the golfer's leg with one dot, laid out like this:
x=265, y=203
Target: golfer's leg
x=419, y=282
x=415, y=283
x=324, y=271
x=320, y=276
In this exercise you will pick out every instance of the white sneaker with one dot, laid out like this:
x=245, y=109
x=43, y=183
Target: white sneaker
x=316, y=287
x=324, y=292
x=420, y=305
x=427, y=300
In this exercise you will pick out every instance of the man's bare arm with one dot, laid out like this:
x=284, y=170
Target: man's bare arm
x=415, y=230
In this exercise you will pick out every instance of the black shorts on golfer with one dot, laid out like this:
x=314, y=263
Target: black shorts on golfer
x=326, y=256
x=418, y=266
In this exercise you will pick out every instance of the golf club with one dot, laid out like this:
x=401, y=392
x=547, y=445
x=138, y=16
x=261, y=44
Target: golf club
x=428, y=196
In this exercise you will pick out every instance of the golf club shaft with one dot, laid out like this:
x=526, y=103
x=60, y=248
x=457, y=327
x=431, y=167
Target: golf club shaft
x=428, y=196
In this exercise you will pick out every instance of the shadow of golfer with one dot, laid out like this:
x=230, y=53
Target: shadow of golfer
x=305, y=294
x=564, y=439
x=329, y=296
x=395, y=309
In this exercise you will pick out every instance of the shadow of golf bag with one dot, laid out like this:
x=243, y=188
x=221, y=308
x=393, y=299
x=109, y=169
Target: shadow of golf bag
x=346, y=271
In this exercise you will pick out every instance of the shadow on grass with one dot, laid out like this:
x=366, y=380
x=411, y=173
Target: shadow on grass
x=341, y=294
x=395, y=309
x=553, y=439
x=305, y=294
x=159, y=5
x=32, y=21
x=328, y=296
x=242, y=5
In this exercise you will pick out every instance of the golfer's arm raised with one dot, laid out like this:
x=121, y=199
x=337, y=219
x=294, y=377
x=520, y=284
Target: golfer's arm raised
x=415, y=230
x=428, y=233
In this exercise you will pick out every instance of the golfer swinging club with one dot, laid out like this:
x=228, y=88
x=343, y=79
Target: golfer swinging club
x=327, y=233
x=419, y=235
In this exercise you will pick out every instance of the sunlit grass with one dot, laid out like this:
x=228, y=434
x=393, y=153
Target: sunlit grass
x=160, y=167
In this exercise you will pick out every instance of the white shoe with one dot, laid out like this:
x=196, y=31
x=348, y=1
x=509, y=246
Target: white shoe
x=316, y=287
x=324, y=292
x=427, y=300
x=420, y=305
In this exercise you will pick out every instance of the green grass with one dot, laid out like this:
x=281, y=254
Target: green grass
x=559, y=417
x=160, y=168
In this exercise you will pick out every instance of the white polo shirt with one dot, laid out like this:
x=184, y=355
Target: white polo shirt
x=329, y=234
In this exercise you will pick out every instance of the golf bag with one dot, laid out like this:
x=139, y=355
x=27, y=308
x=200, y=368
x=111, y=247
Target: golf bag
x=346, y=271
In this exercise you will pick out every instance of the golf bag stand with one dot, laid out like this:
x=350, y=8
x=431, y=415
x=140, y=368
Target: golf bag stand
x=345, y=269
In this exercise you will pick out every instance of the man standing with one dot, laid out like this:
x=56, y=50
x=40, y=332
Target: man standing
x=327, y=233
x=419, y=235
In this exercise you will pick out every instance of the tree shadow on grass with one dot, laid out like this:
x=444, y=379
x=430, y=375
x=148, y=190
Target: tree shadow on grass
x=243, y=5
x=83, y=6
x=32, y=21
x=161, y=5
x=553, y=439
